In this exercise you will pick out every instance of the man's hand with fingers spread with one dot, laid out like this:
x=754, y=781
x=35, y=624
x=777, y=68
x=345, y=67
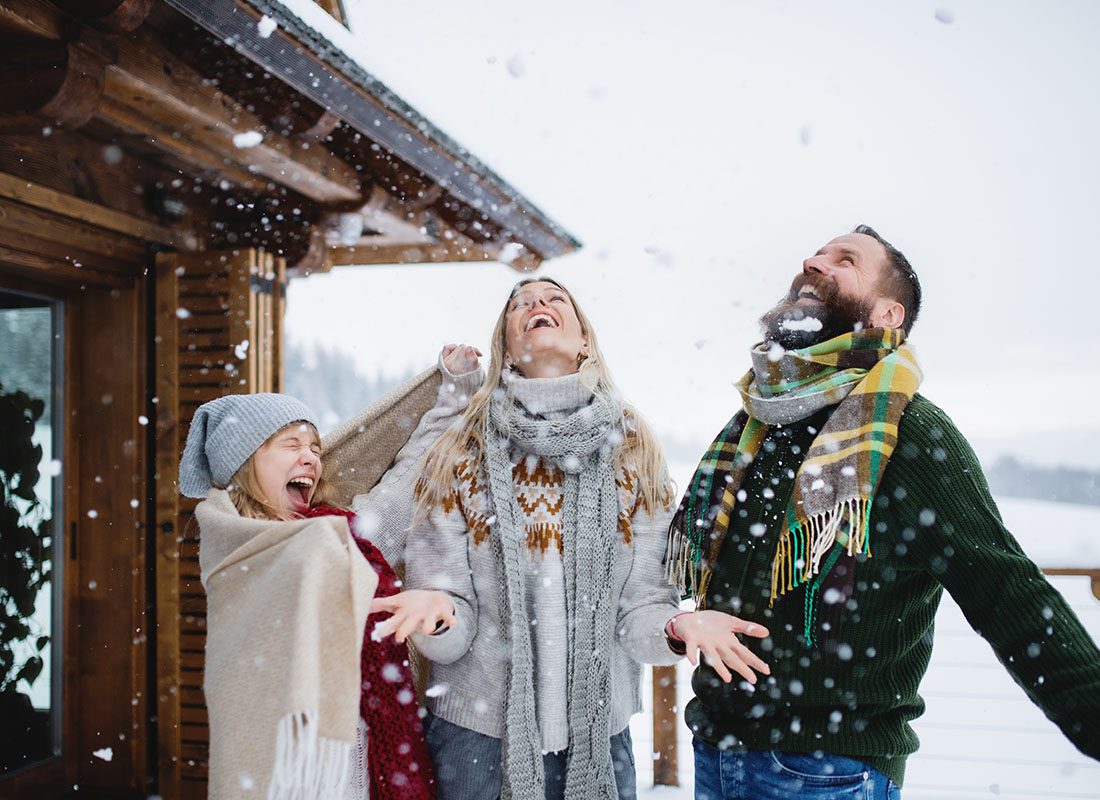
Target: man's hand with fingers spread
x=715, y=635
x=414, y=610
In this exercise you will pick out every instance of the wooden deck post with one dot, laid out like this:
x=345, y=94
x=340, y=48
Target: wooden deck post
x=666, y=764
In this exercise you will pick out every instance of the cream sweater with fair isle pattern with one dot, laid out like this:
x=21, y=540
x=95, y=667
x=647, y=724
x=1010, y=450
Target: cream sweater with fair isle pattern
x=451, y=551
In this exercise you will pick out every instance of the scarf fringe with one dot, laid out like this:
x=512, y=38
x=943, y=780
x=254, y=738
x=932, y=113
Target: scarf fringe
x=804, y=544
x=684, y=565
x=308, y=765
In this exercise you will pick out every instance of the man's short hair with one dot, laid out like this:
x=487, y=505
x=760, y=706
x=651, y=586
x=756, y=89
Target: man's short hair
x=900, y=280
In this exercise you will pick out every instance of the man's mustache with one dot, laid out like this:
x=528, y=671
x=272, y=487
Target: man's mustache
x=824, y=288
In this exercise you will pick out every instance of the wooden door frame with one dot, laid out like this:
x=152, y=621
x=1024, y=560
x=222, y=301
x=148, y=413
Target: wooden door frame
x=105, y=700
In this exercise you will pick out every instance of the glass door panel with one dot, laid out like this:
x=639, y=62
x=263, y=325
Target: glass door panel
x=30, y=530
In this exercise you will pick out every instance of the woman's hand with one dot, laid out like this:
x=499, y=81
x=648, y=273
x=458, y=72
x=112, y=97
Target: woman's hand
x=413, y=610
x=714, y=634
x=460, y=358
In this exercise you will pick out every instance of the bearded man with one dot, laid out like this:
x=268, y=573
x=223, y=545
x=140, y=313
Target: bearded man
x=833, y=510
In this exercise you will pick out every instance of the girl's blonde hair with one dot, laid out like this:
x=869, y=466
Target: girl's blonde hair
x=249, y=497
x=639, y=447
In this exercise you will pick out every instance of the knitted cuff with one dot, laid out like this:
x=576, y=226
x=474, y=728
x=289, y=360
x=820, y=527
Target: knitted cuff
x=456, y=390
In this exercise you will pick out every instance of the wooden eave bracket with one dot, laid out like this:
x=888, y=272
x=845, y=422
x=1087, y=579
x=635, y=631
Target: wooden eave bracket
x=383, y=231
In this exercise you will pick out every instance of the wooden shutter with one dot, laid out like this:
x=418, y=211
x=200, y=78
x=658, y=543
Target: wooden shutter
x=219, y=331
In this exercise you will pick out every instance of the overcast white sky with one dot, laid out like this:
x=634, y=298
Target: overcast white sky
x=700, y=150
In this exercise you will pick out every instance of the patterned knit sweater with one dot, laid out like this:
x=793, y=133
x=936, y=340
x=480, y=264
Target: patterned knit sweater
x=452, y=551
x=933, y=526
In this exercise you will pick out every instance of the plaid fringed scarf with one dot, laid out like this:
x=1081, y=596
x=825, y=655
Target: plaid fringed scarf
x=873, y=376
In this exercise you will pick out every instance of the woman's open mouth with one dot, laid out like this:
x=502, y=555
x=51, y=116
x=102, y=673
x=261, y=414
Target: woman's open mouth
x=540, y=321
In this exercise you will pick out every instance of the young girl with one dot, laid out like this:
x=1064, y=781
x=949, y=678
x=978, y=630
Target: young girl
x=289, y=584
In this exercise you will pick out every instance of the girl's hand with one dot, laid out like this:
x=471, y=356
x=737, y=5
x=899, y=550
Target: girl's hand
x=714, y=634
x=413, y=610
x=460, y=358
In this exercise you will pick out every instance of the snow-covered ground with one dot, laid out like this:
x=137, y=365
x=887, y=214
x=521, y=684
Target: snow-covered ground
x=980, y=736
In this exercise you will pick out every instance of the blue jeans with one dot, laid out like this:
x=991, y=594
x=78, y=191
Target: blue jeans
x=467, y=763
x=776, y=775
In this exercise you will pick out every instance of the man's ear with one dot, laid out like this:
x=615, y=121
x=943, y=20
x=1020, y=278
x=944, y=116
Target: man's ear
x=887, y=314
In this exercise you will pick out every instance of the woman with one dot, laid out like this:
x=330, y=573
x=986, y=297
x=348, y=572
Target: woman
x=288, y=591
x=543, y=515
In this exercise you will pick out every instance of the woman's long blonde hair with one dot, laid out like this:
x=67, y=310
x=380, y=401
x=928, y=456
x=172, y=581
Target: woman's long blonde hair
x=249, y=497
x=639, y=447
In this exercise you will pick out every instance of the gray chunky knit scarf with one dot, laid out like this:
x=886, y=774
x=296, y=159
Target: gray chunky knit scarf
x=579, y=445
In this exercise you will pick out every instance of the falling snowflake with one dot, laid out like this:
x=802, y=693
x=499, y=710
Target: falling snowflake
x=266, y=26
x=516, y=66
x=247, y=139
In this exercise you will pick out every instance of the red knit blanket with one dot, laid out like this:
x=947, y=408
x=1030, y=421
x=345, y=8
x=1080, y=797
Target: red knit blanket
x=397, y=754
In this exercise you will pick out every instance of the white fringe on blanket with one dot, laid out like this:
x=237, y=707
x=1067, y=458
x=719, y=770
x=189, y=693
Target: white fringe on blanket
x=308, y=766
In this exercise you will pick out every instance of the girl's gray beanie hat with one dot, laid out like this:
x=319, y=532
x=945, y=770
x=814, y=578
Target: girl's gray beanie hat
x=226, y=431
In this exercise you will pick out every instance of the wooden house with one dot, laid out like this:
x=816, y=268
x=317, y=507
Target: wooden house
x=166, y=166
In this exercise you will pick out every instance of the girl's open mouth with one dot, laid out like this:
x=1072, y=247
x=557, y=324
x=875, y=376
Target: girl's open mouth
x=300, y=489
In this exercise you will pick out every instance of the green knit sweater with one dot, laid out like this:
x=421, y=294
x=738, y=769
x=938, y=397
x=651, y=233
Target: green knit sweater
x=934, y=526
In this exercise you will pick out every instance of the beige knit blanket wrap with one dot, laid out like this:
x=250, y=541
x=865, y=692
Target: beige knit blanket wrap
x=287, y=606
x=359, y=452
x=287, y=603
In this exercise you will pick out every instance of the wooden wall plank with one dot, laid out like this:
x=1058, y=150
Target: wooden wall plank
x=54, y=227
x=111, y=545
x=43, y=197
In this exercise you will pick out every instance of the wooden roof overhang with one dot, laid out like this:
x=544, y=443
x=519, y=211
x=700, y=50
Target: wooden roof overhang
x=275, y=138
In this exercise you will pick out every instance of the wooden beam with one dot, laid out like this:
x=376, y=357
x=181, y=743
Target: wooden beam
x=153, y=93
x=283, y=108
x=403, y=254
x=32, y=18
x=163, y=94
x=23, y=220
x=50, y=270
x=118, y=15
x=390, y=253
x=42, y=197
x=59, y=81
x=1092, y=574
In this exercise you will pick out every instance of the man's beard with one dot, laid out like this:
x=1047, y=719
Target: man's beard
x=794, y=326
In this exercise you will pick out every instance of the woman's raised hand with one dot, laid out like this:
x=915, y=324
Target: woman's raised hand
x=413, y=610
x=714, y=634
x=460, y=358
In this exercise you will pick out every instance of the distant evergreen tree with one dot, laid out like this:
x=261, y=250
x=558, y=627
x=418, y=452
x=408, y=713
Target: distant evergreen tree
x=328, y=380
x=1010, y=477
